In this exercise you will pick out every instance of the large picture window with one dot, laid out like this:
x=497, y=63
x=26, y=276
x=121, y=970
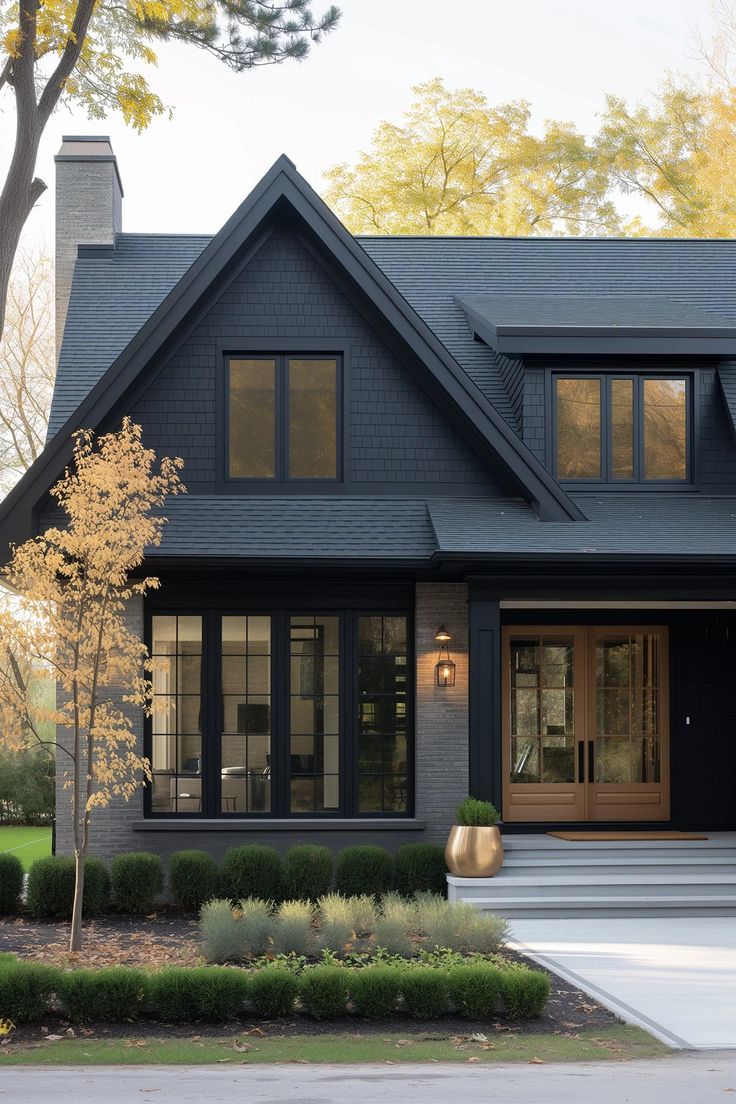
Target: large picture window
x=281, y=714
x=622, y=429
x=282, y=417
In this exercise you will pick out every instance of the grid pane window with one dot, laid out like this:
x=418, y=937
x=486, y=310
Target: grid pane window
x=176, y=752
x=622, y=429
x=382, y=714
x=314, y=713
x=245, y=770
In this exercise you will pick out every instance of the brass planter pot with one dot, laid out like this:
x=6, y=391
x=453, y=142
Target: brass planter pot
x=474, y=852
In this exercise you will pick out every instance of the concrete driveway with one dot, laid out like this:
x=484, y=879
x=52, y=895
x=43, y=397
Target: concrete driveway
x=676, y=977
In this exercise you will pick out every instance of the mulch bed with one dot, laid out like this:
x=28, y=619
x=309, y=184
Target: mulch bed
x=172, y=939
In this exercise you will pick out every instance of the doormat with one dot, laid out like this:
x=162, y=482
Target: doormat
x=594, y=837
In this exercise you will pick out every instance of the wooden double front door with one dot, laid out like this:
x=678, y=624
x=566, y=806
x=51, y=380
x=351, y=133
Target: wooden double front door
x=585, y=723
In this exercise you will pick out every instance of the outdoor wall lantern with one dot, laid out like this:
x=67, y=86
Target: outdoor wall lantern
x=444, y=668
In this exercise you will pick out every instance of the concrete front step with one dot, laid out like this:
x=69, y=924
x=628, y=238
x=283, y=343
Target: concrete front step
x=551, y=908
x=617, y=867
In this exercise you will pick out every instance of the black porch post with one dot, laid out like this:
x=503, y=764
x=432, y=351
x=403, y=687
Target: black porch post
x=485, y=698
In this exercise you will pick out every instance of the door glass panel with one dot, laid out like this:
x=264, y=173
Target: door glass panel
x=542, y=710
x=314, y=713
x=578, y=428
x=245, y=773
x=628, y=735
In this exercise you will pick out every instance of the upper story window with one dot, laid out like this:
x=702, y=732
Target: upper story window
x=283, y=417
x=614, y=428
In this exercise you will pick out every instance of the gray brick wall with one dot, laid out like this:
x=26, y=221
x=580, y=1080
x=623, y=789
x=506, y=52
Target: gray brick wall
x=111, y=831
x=396, y=434
x=442, y=720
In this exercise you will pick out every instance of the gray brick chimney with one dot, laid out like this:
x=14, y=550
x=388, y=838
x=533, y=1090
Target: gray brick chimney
x=89, y=198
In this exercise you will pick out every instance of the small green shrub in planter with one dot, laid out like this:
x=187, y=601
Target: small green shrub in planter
x=50, y=890
x=272, y=991
x=220, y=993
x=425, y=992
x=323, y=991
x=193, y=878
x=252, y=871
x=474, y=813
x=363, y=869
x=113, y=994
x=137, y=880
x=25, y=990
x=307, y=872
x=475, y=990
x=525, y=992
x=420, y=868
x=375, y=990
x=11, y=883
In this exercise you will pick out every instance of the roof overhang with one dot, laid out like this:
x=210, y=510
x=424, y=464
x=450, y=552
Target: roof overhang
x=578, y=326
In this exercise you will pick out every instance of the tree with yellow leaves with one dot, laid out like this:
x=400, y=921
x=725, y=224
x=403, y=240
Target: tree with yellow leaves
x=73, y=584
x=80, y=51
x=457, y=165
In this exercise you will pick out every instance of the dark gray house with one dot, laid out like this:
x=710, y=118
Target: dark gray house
x=461, y=518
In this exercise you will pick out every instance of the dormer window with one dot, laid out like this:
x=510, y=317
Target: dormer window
x=616, y=428
x=283, y=417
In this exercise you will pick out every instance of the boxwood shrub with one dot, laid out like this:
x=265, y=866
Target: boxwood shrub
x=254, y=870
x=475, y=990
x=525, y=992
x=113, y=994
x=194, y=878
x=11, y=883
x=272, y=991
x=50, y=890
x=25, y=990
x=420, y=868
x=323, y=991
x=307, y=872
x=137, y=880
x=172, y=994
x=425, y=992
x=375, y=991
x=365, y=869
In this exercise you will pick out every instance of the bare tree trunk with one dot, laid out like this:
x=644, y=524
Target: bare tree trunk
x=75, y=937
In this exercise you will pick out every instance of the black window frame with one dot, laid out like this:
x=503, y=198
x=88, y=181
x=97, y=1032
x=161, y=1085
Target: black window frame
x=212, y=709
x=281, y=475
x=638, y=376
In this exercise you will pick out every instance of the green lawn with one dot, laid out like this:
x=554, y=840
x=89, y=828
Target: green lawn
x=28, y=844
x=616, y=1043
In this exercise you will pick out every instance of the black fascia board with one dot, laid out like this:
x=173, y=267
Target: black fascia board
x=281, y=183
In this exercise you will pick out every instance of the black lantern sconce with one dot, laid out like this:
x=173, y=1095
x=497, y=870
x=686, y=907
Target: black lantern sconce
x=444, y=668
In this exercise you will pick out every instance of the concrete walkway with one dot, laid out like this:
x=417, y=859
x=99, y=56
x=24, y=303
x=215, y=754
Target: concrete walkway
x=676, y=1080
x=675, y=977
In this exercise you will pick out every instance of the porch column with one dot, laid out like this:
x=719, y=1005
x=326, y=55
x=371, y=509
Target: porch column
x=441, y=724
x=485, y=698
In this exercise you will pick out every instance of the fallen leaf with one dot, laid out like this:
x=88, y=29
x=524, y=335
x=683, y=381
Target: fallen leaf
x=474, y=1059
x=536, y=1061
x=53, y=1038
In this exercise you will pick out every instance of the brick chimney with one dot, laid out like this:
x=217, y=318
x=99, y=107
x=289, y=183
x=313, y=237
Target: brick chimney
x=89, y=198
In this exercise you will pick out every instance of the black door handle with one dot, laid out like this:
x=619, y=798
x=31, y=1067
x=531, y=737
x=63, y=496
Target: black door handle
x=591, y=761
x=581, y=760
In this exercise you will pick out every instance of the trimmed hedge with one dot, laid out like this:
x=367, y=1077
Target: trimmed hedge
x=194, y=879
x=420, y=868
x=26, y=989
x=50, y=892
x=323, y=991
x=525, y=992
x=425, y=993
x=475, y=990
x=307, y=872
x=112, y=994
x=137, y=880
x=365, y=869
x=11, y=883
x=254, y=870
x=272, y=991
x=375, y=991
x=215, y=993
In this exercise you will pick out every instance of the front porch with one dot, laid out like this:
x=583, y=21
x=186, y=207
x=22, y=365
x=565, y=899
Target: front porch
x=547, y=877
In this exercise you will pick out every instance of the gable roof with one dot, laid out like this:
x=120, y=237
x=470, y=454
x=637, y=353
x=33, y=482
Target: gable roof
x=283, y=190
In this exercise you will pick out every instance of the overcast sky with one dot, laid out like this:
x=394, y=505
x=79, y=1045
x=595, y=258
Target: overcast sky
x=190, y=172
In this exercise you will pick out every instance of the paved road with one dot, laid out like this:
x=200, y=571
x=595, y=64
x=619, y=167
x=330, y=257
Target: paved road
x=679, y=1079
x=675, y=976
